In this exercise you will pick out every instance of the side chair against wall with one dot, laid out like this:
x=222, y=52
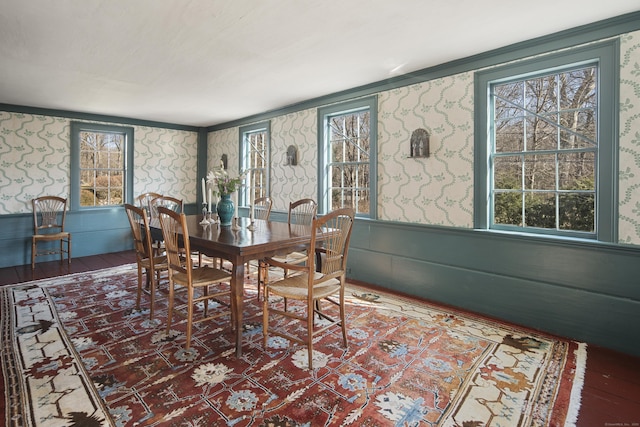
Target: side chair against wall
x=310, y=286
x=301, y=212
x=49, y=215
x=182, y=273
x=146, y=258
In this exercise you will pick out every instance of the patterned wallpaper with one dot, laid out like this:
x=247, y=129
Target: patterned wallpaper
x=35, y=158
x=629, y=176
x=34, y=154
x=437, y=189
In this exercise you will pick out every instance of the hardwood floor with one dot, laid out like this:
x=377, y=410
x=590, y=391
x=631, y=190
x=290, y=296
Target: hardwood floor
x=611, y=393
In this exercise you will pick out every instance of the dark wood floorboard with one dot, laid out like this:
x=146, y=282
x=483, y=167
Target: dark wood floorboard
x=611, y=393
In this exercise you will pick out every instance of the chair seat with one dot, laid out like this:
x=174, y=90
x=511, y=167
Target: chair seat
x=291, y=258
x=52, y=236
x=202, y=276
x=159, y=262
x=296, y=287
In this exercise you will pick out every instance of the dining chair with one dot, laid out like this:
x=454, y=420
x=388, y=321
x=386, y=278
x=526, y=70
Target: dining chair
x=168, y=202
x=182, y=273
x=312, y=287
x=49, y=216
x=146, y=257
x=262, y=210
x=143, y=200
x=301, y=212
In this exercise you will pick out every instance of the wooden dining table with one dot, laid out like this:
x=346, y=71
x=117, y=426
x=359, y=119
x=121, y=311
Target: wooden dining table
x=264, y=239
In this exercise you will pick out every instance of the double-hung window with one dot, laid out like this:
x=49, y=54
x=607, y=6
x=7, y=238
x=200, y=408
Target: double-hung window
x=254, y=154
x=548, y=162
x=347, y=157
x=101, y=165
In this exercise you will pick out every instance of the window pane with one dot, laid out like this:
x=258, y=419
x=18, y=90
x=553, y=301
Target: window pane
x=540, y=210
x=576, y=171
x=507, y=172
x=509, y=135
x=540, y=171
x=507, y=208
x=540, y=94
x=577, y=212
x=541, y=134
x=578, y=130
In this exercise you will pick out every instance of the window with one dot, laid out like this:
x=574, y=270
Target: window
x=102, y=165
x=550, y=151
x=347, y=157
x=254, y=149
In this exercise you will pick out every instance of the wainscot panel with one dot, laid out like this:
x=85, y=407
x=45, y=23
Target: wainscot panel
x=93, y=231
x=581, y=290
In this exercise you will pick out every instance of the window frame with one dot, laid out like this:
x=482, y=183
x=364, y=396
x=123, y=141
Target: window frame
x=243, y=193
x=75, y=129
x=324, y=113
x=605, y=56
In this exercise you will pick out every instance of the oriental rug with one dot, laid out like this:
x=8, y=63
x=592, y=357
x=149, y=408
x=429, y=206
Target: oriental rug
x=76, y=352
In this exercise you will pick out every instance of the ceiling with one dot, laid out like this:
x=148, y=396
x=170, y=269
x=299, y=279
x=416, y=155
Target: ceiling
x=206, y=62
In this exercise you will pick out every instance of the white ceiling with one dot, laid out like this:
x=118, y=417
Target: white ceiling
x=205, y=62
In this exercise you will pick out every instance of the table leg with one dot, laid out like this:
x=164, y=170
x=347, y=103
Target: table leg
x=237, y=293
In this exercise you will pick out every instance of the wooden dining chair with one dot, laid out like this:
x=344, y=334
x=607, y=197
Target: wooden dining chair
x=146, y=258
x=49, y=216
x=262, y=211
x=301, y=212
x=312, y=287
x=143, y=200
x=182, y=273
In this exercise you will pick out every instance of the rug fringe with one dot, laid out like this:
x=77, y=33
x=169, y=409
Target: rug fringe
x=576, y=391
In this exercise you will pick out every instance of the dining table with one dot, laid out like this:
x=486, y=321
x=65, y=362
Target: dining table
x=245, y=242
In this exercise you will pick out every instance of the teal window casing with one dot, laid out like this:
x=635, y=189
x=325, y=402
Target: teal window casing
x=369, y=103
x=605, y=55
x=75, y=129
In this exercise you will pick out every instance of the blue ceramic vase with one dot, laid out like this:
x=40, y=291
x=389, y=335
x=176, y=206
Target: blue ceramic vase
x=225, y=209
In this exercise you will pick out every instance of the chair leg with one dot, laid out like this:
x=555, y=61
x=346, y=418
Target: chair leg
x=190, y=292
x=34, y=248
x=310, y=315
x=138, y=297
x=69, y=250
x=265, y=317
x=170, y=308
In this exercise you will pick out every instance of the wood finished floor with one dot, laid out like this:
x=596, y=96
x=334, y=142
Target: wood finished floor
x=611, y=393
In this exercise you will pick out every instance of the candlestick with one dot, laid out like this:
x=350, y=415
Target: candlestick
x=204, y=192
x=235, y=204
x=210, y=198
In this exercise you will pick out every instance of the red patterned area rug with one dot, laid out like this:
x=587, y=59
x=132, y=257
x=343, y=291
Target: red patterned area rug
x=75, y=352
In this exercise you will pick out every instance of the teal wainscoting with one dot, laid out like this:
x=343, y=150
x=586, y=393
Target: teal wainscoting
x=93, y=232
x=587, y=291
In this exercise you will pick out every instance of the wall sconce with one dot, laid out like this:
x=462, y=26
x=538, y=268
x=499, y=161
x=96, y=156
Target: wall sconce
x=419, y=143
x=292, y=156
x=223, y=159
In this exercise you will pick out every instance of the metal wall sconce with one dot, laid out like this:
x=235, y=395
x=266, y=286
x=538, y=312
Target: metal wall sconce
x=224, y=161
x=419, y=143
x=292, y=156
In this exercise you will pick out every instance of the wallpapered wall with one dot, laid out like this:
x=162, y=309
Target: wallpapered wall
x=439, y=189
x=35, y=160
x=629, y=166
x=34, y=154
